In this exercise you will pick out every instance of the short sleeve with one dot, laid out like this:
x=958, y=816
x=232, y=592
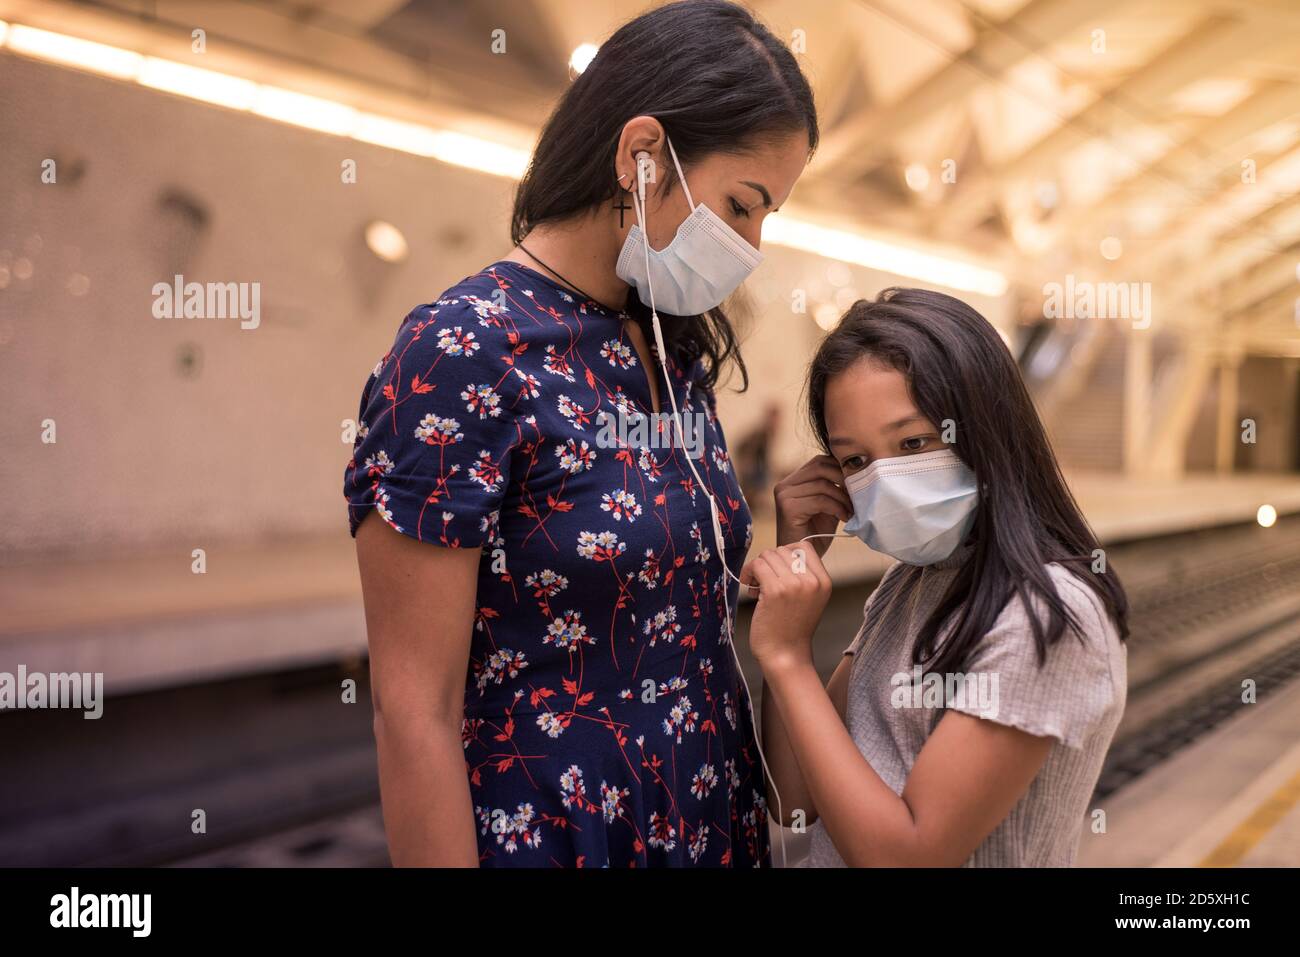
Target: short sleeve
x=856, y=643
x=1074, y=690
x=887, y=583
x=436, y=427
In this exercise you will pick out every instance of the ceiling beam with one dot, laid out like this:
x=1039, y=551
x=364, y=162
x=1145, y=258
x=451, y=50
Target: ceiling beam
x=1199, y=161
x=1218, y=40
x=1272, y=277
x=859, y=143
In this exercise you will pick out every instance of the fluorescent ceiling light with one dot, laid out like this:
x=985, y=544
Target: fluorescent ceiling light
x=207, y=85
x=883, y=256
x=395, y=135
x=73, y=51
x=459, y=149
x=299, y=109
x=480, y=154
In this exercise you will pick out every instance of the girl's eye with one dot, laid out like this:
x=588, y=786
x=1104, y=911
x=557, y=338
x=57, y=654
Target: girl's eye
x=915, y=443
x=852, y=463
x=738, y=209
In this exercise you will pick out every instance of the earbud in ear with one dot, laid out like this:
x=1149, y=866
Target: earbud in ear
x=642, y=164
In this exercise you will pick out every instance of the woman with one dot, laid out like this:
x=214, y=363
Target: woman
x=551, y=669
x=968, y=719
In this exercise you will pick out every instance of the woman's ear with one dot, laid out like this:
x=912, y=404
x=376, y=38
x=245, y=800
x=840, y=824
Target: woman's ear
x=642, y=137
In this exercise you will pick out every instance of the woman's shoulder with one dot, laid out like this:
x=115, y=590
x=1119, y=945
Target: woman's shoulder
x=469, y=328
x=478, y=301
x=439, y=416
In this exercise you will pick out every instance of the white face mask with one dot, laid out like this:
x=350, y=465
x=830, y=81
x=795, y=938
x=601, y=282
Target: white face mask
x=917, y=508
x=701, y=267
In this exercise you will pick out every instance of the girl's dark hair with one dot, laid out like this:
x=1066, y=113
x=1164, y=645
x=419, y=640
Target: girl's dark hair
x=716, y=79
x=958, y=368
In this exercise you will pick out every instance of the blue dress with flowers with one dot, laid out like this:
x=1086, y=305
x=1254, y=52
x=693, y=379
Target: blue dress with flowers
x=605, y=721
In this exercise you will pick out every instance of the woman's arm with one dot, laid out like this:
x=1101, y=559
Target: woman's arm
x=967, y=778
x=419, y=600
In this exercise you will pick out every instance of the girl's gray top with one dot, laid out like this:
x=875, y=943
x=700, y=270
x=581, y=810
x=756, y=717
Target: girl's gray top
x=1077, y=698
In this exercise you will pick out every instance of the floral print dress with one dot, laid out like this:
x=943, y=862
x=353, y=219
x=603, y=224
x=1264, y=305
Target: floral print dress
x=605, y=721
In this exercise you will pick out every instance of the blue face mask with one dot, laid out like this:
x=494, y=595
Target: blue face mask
x=916, y=508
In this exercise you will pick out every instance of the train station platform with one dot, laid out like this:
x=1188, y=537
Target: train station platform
x=1229, y=799
x=147, y=621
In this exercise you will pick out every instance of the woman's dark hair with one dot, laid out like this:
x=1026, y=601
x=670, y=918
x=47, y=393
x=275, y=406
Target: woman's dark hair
x=957, y=368
x=716, y=79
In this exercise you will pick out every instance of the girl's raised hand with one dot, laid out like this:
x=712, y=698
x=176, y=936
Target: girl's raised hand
x=811, y=501
x=793, y=589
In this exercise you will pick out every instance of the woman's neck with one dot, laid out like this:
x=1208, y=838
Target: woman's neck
x=584, y=251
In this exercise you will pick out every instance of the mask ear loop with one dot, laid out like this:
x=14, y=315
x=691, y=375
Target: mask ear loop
x=680, y=175
x=638, y=202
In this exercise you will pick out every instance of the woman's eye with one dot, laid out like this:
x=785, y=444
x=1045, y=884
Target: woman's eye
x=852, y=464
x=914, y=444
x=738, y=209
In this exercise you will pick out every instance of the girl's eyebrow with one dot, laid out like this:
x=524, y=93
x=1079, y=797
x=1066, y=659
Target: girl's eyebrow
x=841, y=440
x=907, y=421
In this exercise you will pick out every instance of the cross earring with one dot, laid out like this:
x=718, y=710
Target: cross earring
x=621, y=205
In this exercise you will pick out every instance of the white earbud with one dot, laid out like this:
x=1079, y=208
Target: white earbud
x=642, y=164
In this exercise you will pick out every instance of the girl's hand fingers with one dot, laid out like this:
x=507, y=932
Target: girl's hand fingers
x=775, y=564
x=801, y=563
x=802, y=558
x=816, y=483
x=818, y=503
x=763, y=575
x=819, y=466
x=810, y=561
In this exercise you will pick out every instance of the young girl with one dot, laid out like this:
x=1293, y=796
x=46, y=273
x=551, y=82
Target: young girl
x=969, y=717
